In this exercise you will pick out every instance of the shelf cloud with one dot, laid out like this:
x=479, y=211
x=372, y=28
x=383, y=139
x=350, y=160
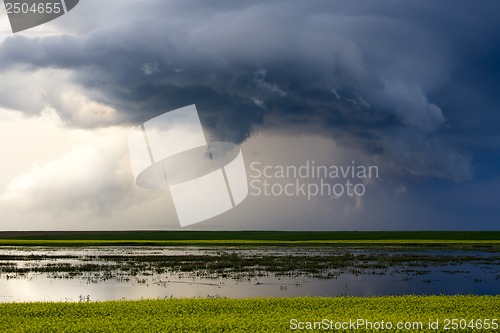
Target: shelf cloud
x=413, y=85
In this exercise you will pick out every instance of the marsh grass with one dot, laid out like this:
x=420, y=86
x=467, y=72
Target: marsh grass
x=236, y=265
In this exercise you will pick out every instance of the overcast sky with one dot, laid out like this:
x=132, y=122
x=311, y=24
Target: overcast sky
x=412, y=87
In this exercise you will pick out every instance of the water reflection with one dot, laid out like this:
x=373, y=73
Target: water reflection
x=106, y=273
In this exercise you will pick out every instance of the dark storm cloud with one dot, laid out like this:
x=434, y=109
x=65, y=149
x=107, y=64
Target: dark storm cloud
x=389, y=78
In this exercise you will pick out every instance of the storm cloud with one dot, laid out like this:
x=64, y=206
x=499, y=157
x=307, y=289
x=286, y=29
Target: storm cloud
x=358, y=70
x=412, y=84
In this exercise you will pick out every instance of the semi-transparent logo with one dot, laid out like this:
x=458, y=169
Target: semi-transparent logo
x=27, y=14
x=205, y=179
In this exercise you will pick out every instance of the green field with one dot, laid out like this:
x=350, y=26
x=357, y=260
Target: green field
x=253, y=315
x=469, y=313
x=225, y=238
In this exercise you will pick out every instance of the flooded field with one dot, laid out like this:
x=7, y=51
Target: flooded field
x=114, y=272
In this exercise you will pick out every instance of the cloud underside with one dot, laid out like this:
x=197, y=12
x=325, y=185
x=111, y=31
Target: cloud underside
x=391, y=81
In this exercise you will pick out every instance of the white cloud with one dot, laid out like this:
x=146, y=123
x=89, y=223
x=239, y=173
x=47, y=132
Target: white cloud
x=34, y=91
x=150, y=68
x=66, y=169
x=84, y=111
x=258, y=102
x=80, y=177
x=260, y=80
x=410, y=104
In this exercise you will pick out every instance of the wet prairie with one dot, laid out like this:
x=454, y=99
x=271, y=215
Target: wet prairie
x=45, y=273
